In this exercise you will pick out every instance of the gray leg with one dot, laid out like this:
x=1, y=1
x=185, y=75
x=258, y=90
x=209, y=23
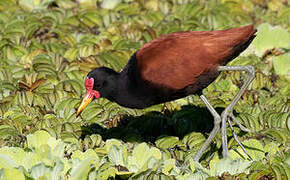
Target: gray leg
x=229, y=109
x=226, y=114
x=213, y=133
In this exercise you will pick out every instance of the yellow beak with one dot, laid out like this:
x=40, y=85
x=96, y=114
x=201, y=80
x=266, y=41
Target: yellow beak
x=86, y=100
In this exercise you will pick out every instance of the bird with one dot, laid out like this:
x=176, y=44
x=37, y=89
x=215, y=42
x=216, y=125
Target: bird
x=174, y=66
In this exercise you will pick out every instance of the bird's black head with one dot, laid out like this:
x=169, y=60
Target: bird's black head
x=105, y=80
x=100, y=82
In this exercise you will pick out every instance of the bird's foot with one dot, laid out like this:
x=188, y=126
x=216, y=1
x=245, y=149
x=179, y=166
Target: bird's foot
x=228, y=116
x=243, y=128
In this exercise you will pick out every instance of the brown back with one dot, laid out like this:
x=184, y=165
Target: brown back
x=176, y=60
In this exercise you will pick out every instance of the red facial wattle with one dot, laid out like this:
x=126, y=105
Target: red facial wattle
x=89, y=84
x=89, y=96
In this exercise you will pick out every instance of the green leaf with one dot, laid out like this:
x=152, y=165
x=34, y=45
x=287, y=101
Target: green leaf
x=167, y=142
x=56, y=171
x=281, y=64
x=87, y=154
x=7, y=162
x=111, y=4
x=143, y=157
x=37, y=139
x=169, y=166
x=111, y=142
x=271, y=148
x=253, y=147
x=81, y=169
x=231, y=166
x=39, y=171
x=194, y=140
x=118, y=156
x=269, y=37
x=34, y=4
x=12, y=174
x=14, y=156
x=6, y=131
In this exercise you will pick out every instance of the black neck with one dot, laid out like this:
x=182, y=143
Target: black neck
x=131, y=91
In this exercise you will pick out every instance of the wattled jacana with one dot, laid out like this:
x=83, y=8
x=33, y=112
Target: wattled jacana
x=172, y=67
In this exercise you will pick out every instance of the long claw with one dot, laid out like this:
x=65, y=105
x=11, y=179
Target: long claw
x=243, y=128
x=237, y=140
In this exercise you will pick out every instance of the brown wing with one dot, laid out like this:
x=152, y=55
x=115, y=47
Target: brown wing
x=176, y=60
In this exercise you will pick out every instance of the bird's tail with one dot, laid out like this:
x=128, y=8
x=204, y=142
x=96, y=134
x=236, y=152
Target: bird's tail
x=239, y=48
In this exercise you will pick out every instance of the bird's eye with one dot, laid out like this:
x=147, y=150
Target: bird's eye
x=98, y=85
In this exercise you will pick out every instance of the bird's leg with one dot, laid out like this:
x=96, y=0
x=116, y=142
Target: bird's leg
x=226, y=114
x=236, y=138
x=213, y=133
x=229, y=109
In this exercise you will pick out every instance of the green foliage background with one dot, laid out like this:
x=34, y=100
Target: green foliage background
x=48, y=46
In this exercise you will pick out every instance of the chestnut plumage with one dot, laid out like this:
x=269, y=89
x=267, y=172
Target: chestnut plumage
x=177, y=60
x=171, y=67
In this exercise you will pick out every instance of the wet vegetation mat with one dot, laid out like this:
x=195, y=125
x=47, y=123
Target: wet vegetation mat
x=48, y=46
